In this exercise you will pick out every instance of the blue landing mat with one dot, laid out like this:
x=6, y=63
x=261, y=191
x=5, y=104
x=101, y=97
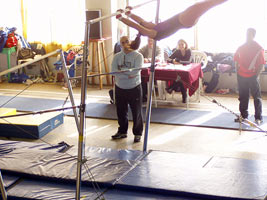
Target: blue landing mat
x=144, y=176
x=158, y=115
x=42, y=162
x=238, y=165
x=96, y=152
x=44, y=190
x=7, y=146
x=51, y=191
x=174, y=116
x=9, y=180
x=30, y=104
x=179, y=175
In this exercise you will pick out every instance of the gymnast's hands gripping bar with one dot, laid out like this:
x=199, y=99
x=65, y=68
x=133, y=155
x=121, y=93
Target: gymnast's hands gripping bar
x=116, y=13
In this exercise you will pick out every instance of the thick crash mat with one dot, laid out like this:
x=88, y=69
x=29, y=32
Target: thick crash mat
x=30, y=126
x=7, y=111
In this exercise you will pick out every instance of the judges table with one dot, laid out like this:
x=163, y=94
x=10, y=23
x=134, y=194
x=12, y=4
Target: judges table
x=189, y=74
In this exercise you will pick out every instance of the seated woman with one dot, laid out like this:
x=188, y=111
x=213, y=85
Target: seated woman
x=182, y=55
x=185, y=19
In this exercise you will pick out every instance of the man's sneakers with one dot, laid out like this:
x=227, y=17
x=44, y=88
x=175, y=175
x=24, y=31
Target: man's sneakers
x=137, y=138
x=238, y=119
x=258, y=122
x=119, y=135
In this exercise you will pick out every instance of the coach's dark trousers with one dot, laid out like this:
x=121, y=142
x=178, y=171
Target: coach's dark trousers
x=133, y=98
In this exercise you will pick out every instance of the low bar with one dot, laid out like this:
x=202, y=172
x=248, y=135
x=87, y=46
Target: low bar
x=29, y=62
x=110, y=73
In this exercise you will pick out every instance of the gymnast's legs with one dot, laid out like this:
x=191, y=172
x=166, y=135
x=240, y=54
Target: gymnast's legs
x=185, y=19
x=144, y=28
x=190, y=16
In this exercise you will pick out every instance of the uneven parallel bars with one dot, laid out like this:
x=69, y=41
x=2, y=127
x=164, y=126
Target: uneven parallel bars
x=116, y=13
x=80, y=157
x=28, y=63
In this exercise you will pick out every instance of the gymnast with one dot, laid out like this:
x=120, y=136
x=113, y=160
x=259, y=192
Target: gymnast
x=185, y=19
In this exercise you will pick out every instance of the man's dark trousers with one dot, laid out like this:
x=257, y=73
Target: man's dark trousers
x=247, y=85
x=133, y=98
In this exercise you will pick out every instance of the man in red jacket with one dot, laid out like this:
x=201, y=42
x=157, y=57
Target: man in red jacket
x=250, y=61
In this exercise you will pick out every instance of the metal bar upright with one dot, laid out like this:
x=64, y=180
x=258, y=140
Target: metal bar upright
x=67, y=79
x=151, y=85
x=2, y=188
x=82, y=112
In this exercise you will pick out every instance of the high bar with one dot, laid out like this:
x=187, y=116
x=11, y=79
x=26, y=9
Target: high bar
x=29, y=62
x=117, y=13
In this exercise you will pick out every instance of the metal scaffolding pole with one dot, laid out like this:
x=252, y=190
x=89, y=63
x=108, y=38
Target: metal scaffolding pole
x=67, y=79
x=82, y=112
x=151, y=85
x=2, y=188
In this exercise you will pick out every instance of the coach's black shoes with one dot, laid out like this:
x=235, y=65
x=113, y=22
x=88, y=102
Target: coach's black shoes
x=119, y=135
x=137, y=138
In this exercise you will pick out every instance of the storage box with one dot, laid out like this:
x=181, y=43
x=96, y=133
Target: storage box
x=33, y=69
x=3, y=62
x=8, y=58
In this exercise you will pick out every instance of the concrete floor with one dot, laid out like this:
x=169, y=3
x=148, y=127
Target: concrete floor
x=185, y=139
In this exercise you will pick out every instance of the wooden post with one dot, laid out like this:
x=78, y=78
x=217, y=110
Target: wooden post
x=98, y=45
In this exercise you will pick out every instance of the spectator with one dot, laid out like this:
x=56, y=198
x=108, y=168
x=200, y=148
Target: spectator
x=182, y=55
x=250, y=62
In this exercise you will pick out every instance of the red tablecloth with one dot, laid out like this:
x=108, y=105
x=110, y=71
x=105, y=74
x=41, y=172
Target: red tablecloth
x=189, y=74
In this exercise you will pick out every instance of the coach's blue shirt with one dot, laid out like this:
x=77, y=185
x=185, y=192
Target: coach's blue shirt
x=122, y=61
